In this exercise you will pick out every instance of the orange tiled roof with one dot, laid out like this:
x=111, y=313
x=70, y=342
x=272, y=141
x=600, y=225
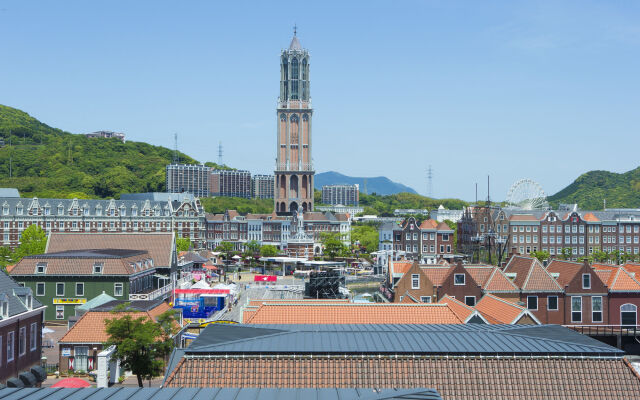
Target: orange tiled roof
x=589, y=217
x=400, y=267
x=80, y=266
x=436, y=275
x=633, y=268
x=159, y=245
x=605, y=275
x=498, y=282
x=567, y=270
x=499, y=311
x=479, y=273
x=462, y=310
x=429, y=224
x=618, y=279
x=539, y=280
x=442, y=226
x=354, y=314
x=258, y=302
x=523, y=217
x=91, y=327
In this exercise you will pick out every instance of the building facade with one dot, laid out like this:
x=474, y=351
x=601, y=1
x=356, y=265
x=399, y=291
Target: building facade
x=294, y=172
x=177, y=213
x=262, y=186
x=346, y=195
x=192, y=179
x=230, y=183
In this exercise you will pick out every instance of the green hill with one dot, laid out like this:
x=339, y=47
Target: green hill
x=48, y=162
x=591, y=189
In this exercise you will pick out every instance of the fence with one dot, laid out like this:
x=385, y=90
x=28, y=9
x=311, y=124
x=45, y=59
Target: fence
x=606, y=330
x=50, y=368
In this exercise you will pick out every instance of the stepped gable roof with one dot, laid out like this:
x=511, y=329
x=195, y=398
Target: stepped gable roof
x=219, y=393
x=500, y=311
x=160, y=246
x=567, y=270
x=16, y=295
x=498, y=282
x=479, y=273
x=91, y=327
x=81, y=262
x=463, y=311
x=353, y=313
x=436, y=275
x=429, y=224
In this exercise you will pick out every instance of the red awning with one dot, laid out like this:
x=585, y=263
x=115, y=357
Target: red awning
x=202, y=291
x=265, y=278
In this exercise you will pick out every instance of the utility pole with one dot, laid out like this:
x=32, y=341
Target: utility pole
x=429, y=182
x=176, y=158
x=220, y=153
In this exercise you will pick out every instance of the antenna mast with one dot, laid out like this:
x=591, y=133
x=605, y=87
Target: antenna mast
x=176, y=158
x=429, y=181
x=220, y=153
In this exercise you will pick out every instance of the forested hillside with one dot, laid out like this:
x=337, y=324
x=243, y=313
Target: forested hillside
x=591, y=189
x=48, y=162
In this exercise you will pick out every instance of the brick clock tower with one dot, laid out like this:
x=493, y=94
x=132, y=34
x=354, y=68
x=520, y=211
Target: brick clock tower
x=294, y=165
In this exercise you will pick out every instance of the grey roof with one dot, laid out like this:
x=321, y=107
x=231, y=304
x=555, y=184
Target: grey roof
x=99, y=300
x=216, y=394
x=12, y=290
x=92, y=253
x=9, y=192
x=295, y=44
x=138, y=305
x=469, y=339
x=158, y=196
x=387, y=226
x=160, y=207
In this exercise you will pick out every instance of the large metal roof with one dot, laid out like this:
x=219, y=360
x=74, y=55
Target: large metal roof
x=469, y=339
x=216, y=394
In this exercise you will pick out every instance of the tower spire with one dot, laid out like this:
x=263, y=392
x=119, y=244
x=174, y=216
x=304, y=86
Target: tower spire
x=295, y=29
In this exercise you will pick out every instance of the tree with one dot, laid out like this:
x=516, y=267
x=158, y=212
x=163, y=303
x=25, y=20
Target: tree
x=268, y=250
x=33, y=241
x=226, y=248
x=333, y=246
x=183, y=244
x=566, y=253
x=366, y=235
x=141, y=344
x=541, y=255
x=251, y=248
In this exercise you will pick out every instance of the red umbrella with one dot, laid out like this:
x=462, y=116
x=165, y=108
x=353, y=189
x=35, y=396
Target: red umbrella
x=71, y=383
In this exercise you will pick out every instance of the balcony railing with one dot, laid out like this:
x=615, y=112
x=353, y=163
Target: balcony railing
x=160, y=292
x=606, y=330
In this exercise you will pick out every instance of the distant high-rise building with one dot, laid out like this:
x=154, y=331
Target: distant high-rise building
x=346, y=195
x=193, y=179
x=262, y=186
x=294, y=168
x=230, y=183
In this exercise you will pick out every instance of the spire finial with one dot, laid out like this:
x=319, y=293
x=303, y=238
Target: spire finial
x=295, y=29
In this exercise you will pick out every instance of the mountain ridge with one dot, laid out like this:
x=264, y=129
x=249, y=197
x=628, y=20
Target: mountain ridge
x=378, y=184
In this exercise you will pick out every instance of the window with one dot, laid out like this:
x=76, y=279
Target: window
x=33, y=338
x=4, y=307
x=596, y=309
x=576, y=309
x=552, y=303
x=60, y=289
x=10, y=346
x=458, y=279
x=97, y=268
x=41, y=268
x=40, y=289
x=415, y=281
x=470, y=300
x=425, y=299
x=445, y=237
x=532, y=302
x=22, y=341
x=80, y=289
x=586, y=281
x=81, y=356
x=117, y=289
x=59, y=312
x=628, y=314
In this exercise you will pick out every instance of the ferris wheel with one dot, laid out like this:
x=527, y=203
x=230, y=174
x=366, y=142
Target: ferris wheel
x=526, y=194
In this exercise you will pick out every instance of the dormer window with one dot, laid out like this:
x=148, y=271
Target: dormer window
x=99, y=211
x=4, y=305
x=458, y=279
x=133, y=266
x=47, y=210
x=19, y=210
x=97, y=268
x=41, y=268
x=134, y=212
x=29, y=302
x=86, y=211
x=60, y=210
x=5, y=210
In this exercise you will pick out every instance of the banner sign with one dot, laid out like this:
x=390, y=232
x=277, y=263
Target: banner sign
x=69, y=301
x=66, y=351
x=265, y=278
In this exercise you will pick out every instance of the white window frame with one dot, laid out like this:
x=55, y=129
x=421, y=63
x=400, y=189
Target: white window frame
x=60, y=308
x=470, y=297
x=22, y=341
x=572, y=310
x=121, y=285
x=583, y=276
x=33, y=338
x=11, y=337
x=455, y=280
x=79, y=284
x=601, y=310
x=44, y=288
x=425, y=299
x=63, y=289
x=415, y=278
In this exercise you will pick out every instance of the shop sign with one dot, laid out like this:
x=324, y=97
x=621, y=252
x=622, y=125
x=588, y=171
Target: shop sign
x=69, y=301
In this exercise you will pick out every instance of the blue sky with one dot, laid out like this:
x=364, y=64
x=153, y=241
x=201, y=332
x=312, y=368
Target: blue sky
x=515, y=89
